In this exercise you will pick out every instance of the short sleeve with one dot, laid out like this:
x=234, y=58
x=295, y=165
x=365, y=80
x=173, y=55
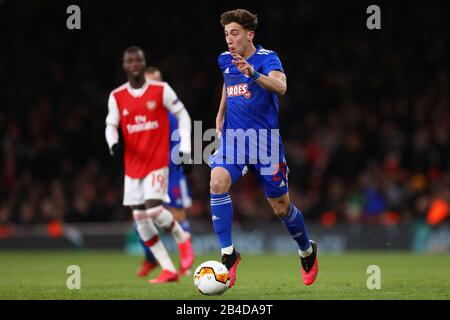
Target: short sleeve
x=272, y=62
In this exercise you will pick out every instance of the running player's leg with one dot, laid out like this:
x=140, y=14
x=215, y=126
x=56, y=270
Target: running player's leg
x=222, y=177
x=187, y=255
x=179, y=201
x=149, y=263
x=276, y=190
x=164, y=219
x=181, y=216
x=134, y=195
x=134, y=198
x=149, y=257
x=149, y=234
x=179, y=197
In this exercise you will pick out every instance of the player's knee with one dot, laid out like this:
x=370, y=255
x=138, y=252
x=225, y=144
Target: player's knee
x=220, y=181
x=280, y=208
x=218, y=186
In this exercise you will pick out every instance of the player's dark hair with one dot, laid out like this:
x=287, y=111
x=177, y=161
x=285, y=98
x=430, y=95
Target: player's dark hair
x=133, y=49
x=243, y=17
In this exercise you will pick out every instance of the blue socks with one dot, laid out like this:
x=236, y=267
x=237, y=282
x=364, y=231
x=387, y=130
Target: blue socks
x=296, y=225
x=222, y=217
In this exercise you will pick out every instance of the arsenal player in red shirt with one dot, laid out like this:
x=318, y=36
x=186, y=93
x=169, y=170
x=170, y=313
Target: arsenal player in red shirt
x=140, y=108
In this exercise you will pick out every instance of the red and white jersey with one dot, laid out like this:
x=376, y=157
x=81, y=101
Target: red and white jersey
x=143, y=118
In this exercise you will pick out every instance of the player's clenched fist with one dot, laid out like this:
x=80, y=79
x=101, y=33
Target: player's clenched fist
x=243, y=66
x=117, y=150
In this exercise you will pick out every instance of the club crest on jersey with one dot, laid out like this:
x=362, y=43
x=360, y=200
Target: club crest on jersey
x=239, y=90
x=151, y=105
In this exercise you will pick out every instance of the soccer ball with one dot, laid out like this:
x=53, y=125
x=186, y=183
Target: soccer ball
x=211, y=278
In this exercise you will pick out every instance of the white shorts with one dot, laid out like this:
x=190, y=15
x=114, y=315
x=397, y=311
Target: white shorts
x=151, y=187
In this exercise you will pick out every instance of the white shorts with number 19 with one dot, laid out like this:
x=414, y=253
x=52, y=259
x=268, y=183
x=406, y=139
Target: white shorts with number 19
x=151, y=187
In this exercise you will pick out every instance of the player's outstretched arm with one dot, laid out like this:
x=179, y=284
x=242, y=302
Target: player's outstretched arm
x=220, y=118
x=275, y=82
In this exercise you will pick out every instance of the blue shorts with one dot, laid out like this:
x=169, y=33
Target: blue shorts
x=272, y=176
x=179, y=193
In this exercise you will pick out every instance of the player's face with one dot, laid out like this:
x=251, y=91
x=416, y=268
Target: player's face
x=134, y=64
x=154, y=75
x=238, y=39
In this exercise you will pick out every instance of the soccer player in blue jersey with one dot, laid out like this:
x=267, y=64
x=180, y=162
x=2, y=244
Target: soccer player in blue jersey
x=253, y=80
x=179, y=193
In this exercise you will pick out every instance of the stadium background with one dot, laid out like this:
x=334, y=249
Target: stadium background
x=365, y=120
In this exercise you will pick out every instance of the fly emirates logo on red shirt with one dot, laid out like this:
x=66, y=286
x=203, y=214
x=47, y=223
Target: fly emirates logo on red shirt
x=239, y=90
x=141, y=124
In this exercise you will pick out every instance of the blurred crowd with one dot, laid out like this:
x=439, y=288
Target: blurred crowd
x=365, y=121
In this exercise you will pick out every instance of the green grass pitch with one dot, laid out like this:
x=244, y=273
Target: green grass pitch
x=111, y=275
